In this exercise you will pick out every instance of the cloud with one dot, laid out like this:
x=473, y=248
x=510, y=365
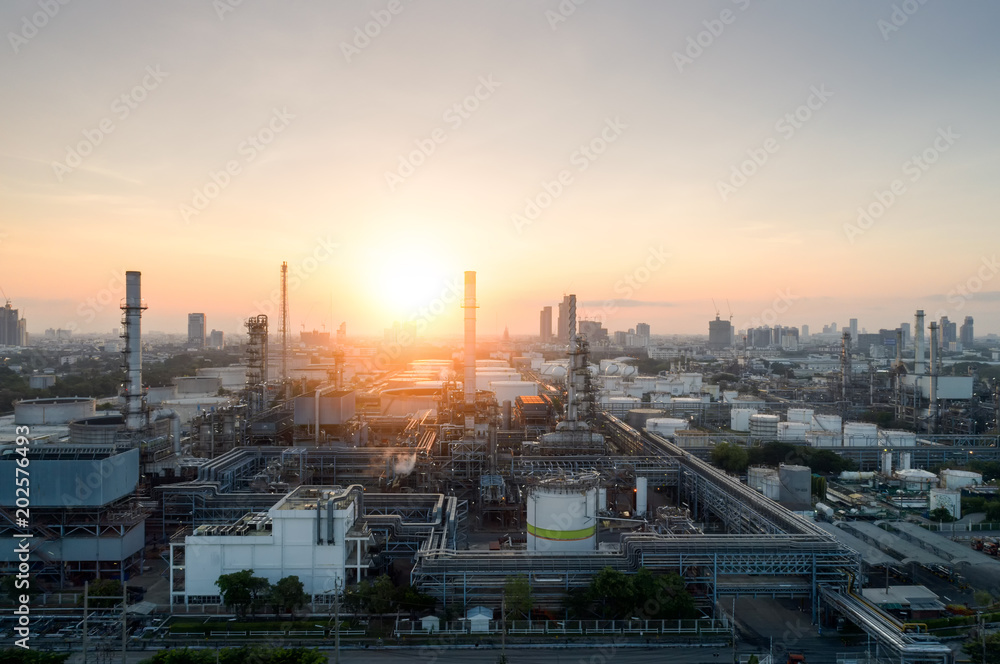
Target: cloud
x=985, y=296
x=625, y=303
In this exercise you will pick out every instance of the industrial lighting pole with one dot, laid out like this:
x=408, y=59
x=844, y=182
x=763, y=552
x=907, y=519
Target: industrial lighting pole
x=86, y=630
x=124, y=619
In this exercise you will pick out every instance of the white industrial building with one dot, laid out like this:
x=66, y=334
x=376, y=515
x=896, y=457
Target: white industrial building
x=310, y=533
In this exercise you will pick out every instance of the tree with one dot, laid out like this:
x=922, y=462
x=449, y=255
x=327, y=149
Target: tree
x=941, y=514
x=410, y=599
x=517, y=595
x=103, y=594
x=377, y=597
x=730, y=457
x=611, y=593
x=974, y=649
x=982, y=598
x=242, y=591
x=242, y=655
x=993, y=510
x=288, y=594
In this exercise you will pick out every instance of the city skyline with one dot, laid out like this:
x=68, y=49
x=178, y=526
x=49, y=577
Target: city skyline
x=647, y=158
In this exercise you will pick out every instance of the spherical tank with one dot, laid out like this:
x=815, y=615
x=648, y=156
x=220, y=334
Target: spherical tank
x=562, y=514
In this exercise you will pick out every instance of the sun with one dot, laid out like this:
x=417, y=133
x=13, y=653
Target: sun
x=408, y=281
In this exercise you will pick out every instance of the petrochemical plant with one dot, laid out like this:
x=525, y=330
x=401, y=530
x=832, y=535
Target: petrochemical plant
x=336, y=462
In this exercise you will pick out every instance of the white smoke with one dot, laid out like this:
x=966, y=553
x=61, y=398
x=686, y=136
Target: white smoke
x=403, y=465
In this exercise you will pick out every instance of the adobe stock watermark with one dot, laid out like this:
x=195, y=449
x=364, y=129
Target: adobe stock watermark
x=698, y=43
x=899, y=17
x=786, y=127
x=913, y=169
x=364, y=34
x=780, y=305
x=454, y=116
x=121, y=108
x=563, y=11
x=31, y=25
x=965, y=291
x=298, y=273
x=248, y=150
x=223, y=7
x=581, y=159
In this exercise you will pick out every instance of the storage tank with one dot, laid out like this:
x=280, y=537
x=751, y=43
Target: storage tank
x=827, y=423
x=855, y=476
x=562, y=513
x=57, y=410
x=822, y=438
x=796, y=486
x=641, y=497
x=905, y=461
x=792, y=431
x=824, y=511
x=804, y=415
x=887, y=463
x=893, y=438
x=917, y=480
x=959, y=479
x=739, y=418
x=771, y=486
x=764, y=426
x=950, y=499
x=509, y=390
x=99, y=430
x=197, y=385
x=637, y=417
x=860, y=434
x=665, y=426
x=756, y=475
x=157, y=395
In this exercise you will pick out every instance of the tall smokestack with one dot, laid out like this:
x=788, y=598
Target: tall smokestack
x=135, y=411
x=918, y=343
x=470, y=338
x=932, y=424
x=899, y=348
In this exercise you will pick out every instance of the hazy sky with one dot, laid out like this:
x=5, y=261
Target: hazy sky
x=648, y=156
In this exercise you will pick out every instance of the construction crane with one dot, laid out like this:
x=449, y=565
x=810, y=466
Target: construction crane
x=730, y=310
x=716, y=307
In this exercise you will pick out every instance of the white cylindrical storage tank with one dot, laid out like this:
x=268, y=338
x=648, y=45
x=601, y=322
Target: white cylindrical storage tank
x=804, y=415
x=950, y=499
x=492, y=363
x=641, y=484
x=917, y=480
x=905, y=461
x=822, y=438
x=157, y=395
x=756, y=475
x=892, y=438
x=764, y=426
x=197, y=384
x=637, y=417
x=792, y=431
x=959, y=479
x=855, y=476
x=887, y=463
x=562, y=514
x=771, y=486
x=602, y=499
x=860, y=434
x=827, y=423
x=57, y=410
x=510, y=390
x=739, y=418
x=666, y=426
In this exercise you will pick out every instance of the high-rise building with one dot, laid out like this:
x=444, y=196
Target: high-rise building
x=967, y=335
x=196, y=330
x=594, y=331
x=217, y=339
x=949, y=332
x=905, y=327
x=642, y=331
x=562, y=331
x=804, y=334
x=342, y=334
x=545, y=325
x=853, y=323
x=13, y=330
x=720, y=333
